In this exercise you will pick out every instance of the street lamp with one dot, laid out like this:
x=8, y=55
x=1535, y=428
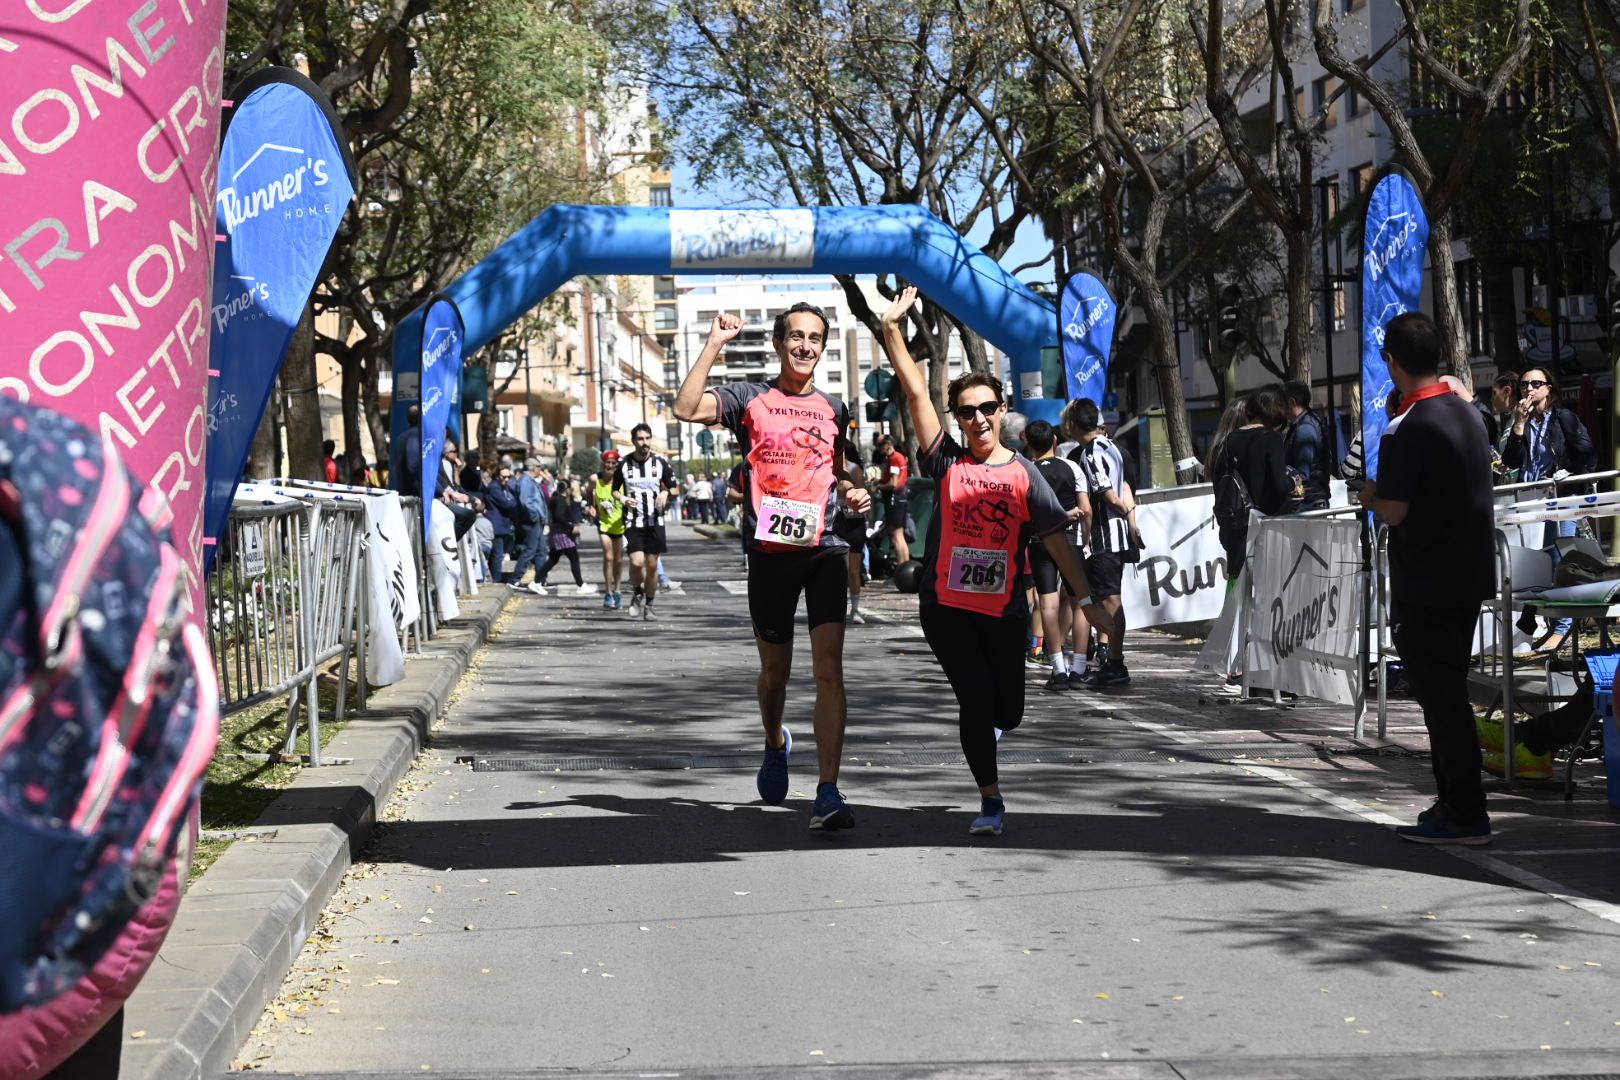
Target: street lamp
x=602, y=317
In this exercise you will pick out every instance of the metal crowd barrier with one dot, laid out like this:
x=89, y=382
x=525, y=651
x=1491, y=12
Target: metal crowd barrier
x=283, y=600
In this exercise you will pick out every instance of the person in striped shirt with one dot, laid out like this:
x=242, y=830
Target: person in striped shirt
x=1114, y=538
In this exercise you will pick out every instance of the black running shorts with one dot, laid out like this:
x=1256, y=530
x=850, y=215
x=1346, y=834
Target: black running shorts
x=648, y=539
x=851, y=530
x=775, y=581
x=1103, y=573
x=1045, y=571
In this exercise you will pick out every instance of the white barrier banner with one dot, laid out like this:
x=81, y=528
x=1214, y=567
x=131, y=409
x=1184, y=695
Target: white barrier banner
x=1182, y=575
x=444, y=559
x=1307, y=607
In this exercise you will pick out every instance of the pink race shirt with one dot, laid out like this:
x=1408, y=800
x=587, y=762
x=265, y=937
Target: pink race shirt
x=790, y=442
x=985, y=517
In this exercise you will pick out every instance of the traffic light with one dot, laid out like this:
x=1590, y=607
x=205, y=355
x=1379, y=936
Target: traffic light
x=1229, y=319
x=874, y=410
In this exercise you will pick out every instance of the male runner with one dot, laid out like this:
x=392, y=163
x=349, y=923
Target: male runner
x=648, y=479
x=1068, y=483
x=1113, y=536
x=896, y=472
x=793, y=439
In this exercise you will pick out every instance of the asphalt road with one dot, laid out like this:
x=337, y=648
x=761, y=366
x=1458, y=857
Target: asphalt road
x=1145, y=914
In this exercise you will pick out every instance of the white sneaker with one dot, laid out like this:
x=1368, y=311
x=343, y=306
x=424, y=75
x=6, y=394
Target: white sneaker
x=1230, y=689
x=857, y=618
x=537, y=588
x=585, y=590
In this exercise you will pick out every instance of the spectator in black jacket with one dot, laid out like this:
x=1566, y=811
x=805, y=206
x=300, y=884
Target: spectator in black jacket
x=500, y=506
x=1255, y=453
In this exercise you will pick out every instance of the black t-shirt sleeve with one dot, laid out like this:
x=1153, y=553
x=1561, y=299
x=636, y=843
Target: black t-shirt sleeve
x=937, y=459
x=1046, y=515
x=1397, y=467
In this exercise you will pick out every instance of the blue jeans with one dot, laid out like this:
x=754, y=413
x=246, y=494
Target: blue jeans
x=497, y=557
x=1555, y=529
x=530, y=546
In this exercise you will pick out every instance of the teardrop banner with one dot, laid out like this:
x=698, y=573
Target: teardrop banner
x=286, y=180
x=110, y=166
x=442, y=338
x=1086, y=321
x=1395, y=238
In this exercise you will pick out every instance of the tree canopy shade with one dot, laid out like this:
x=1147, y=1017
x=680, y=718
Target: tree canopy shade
x=908, y=241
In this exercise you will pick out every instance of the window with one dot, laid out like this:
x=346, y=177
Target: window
x=1361, y=179
x=503, y=421
x=659, y=195
x=664, y=288
x=664, y=318
x=1321, y=94
x=706, y=316
x=835, y=376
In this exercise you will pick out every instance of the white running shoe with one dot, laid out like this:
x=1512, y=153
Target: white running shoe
x=857, y=618
x=537, y=588
x=586, y=589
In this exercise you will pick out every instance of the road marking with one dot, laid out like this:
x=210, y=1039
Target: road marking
x=735, y=588
x=1494, y=864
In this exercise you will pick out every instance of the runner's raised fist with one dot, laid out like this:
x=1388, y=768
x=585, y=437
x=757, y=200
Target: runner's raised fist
x=726, y=326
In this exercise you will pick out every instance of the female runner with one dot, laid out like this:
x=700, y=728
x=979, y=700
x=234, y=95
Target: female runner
x=607, y=510
x=989, y=502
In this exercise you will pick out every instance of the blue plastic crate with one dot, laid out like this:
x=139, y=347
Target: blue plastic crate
x=1603, y=665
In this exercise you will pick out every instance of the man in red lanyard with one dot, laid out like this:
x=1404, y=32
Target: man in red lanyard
x=1433, y=490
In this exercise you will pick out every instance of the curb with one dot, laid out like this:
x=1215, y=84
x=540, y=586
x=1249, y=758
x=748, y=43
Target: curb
x=242, y=924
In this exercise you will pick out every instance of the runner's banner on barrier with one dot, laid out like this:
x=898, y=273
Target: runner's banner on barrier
x=1306, y=612
x=1086, y=318
x=1181, y=577
x=286, y=180
x=1395, y=235
x=109, y=159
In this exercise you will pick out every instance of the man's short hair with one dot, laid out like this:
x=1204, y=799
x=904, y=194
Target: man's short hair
x=328, y=446
x=1084, y=415
x=1040, y=436
x=779, y=331
x=1414, y=343
x=1297, y=392
x=1508, y=381
x=639, y=428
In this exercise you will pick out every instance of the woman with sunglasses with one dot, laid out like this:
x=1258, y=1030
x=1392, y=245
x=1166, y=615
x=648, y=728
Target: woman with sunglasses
x=1547, y=439
x=990, y=501
x=607, y=510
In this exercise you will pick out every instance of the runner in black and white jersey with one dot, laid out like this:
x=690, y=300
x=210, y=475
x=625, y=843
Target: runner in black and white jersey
x=1114, y=537
x=648, y=479
x=1059, y=607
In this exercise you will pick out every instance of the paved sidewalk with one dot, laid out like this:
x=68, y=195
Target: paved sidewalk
x=579, y=876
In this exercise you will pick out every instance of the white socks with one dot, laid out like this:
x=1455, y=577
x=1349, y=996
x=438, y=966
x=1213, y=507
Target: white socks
x=1059, y=664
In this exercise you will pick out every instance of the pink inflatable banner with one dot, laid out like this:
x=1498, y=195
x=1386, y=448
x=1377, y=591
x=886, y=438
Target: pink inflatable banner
x=109, y=140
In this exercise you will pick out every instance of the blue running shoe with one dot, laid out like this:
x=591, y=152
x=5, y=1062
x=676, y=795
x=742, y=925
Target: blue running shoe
x=607, y=601
x=618, y=601
x=773, y=771
x=993, y=813
x=831, y=811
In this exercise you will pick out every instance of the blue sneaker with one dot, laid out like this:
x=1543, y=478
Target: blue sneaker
x=831, y=811
x=773, y=771
x=618, y=601
x=1437, y=830
x=992, y=815
x=607, y=600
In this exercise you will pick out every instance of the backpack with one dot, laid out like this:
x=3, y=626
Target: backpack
x=1232, y=502
x=108, y=701
x=532, y=501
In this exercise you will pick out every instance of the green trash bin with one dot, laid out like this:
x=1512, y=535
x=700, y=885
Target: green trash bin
x=920, y=497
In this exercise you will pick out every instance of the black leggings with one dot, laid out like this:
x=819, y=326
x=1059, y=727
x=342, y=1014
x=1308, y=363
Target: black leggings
x=983, y=657
x=573, y=563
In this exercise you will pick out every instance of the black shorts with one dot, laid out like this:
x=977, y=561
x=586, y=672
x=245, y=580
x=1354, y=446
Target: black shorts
x=1045, y=571
x=1103, y=573
x=895, y=508
x=776, y=580
x=648, y=539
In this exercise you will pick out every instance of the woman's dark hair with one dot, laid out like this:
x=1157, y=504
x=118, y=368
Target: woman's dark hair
x=1268, y=406
x=967, y=382
x=1552, y=384
x=779, y=330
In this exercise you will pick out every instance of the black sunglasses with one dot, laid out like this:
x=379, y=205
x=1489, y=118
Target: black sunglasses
x=1532, y=384
x=964, y=413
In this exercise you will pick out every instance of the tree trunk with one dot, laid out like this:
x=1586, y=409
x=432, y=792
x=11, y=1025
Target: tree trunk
x=261, y=462
x=1301, y=307
x=371, y=406
x=1500, y=294
x=351, y=421
x=304, y=434
x=1167, y=369
x=1447, y=305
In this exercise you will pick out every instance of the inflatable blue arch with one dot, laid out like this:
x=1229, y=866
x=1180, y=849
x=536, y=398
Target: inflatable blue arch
x=908, y=241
